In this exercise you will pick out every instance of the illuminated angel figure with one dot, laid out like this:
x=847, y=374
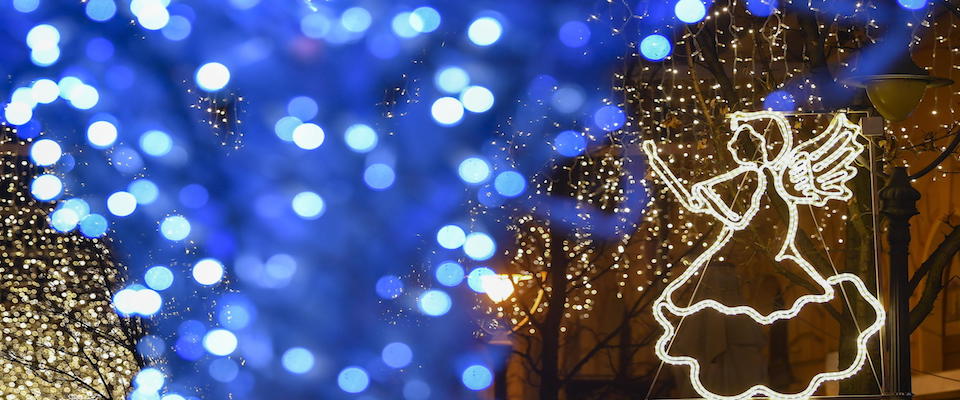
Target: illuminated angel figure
x=810, y=173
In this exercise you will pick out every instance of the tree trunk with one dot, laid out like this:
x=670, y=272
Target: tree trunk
x=550, y=350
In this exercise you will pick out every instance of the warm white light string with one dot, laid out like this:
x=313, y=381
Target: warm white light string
x=817, y=171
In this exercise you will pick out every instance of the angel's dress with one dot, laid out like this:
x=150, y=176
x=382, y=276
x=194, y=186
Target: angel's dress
x=707, y=199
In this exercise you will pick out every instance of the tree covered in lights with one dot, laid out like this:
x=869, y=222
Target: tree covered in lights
x=678, y=84
x=60, y=335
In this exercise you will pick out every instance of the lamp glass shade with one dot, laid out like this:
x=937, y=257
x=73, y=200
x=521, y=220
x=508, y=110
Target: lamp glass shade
x=895, y=99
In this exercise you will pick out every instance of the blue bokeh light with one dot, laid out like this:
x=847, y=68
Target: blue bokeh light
x=93, y=225
x=447, y=111
x=308, y=205
x=389, y=287
x=156, y=143
x=762, y=8
x=46, y=187
x=353, y=380
x=121, y=204
x=474, y=170
x=308, y=136
x=64, y=220
x=570, y=143
x=397, y=355
x=655, y=47
x=690, y=11
x=609, y=118
x=144, y=190
x=477, y=99
x=285, y=126
x=477, y=377
x=379, y=176
x=510, y=183
x=208, y=271
x=303, y=108
x=476, y=277
x=355, y=19
x=212, y=76
x=297, y=360
x=360, y=138
x=451, y=79
x=913, y=4
x=175, y=228
x=449, y=274
x=451, y=237
x=220, y=342
x=780, y=100
x=435, y=303
x=574, y=34
x=102, y=134
x=485, y=31
x=45, y=152
x=425, y=19
x=479, y=246
x=158, y=278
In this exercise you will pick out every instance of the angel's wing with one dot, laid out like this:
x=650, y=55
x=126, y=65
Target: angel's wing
x=817, y=170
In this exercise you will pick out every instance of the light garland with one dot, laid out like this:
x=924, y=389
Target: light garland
x=817, y=170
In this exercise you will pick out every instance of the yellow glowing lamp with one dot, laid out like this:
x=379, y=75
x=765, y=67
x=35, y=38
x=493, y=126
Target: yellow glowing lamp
x=499, y=287
x=896, y=94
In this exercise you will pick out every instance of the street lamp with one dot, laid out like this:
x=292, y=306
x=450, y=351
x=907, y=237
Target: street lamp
x=897, y=92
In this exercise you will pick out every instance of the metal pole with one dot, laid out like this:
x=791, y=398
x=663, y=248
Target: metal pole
x=899, y=205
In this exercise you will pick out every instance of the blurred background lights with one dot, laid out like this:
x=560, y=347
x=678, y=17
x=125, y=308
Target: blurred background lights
x=137, y=299
x=64, y=220
x=355, y=19
x=389, y=287
x=609, y=118
x=156, y=143
x=151, y=14
x=45, y=57
x=424, y=19
x=434, y=303
x=779, y=100
x=416, y=390
x=46, y=187
x=158, y=278
x=212, y=76
x=451, y=79
x=45, y=152
x=26, y=6
x=570, y=143
x=303, y=108
x=474, y=170
x=379, y=176
x=477, y=377
x=479, y=246
x=285, y=126
x=175, y=228
x=308, y=205
x=397, y=355
x=45, y=91
x=449, y=274
x=17, y=113
x=149, y=380
x=655, y=47
x=79, y=206
x=43, y=37
x=121, y=204
x=93, y=225
x=101, y=10
x=353, y=380
x=477, y=99
x=484, y=31
x=476, y=277
x=447, y=111
x=912, y=4
x=451, y=237
x=574, y=34
x=83, y=97
x=402, y=27
x=220, y=342
x=297, y=360
x=308, y=136
x=360, y=138
x=177, y=29
x=761, y=8
x=315, y=25
x=144, y=190
x=510, y=183
x=223, y=370
x=207, y=271
x=690, y=11
x=101, y=134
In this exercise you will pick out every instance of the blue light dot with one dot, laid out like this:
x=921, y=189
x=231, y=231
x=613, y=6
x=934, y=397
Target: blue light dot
x=149, y=380
x=194, y=195
x=152, y=15
x=42, y=37
x=353, y=380
x=449, y=274
x=208, y=271
x=223, y=370
x=285, y=126
x=690, y=11
x=510, y=183
x=474, y=170
x=484, y=31
x=297, y=360
x=779, y=100
x=355, y=19
x=46, y=57
x=402, y=27
x=45, y=91
x=64, y=220
x=479, y=246
x=397, y=355
x=477, y=99
x=451, y=237
x=212, y=76
x=234, y=315
x=93, y=225
x=435, y=303
x=45, y=152
x=389, y=287
x=574, y=34
x=451, y=79
x=101, y=134
x=416, y=390
x=447, y=111
x=655, y=47
x=425, y=19
x=78, y=206
x=308, y=205
x=158, y=278
x=609, y=118
x=244, y=4
x=308, y=136
x=18, y=113
x=477, y=377
x=175, y=228
x=101, y=10
x=46, y=187
x=144, y=190
x=360, y=138
x=137, y=299
x=475, y=278
x=762, y=8
x=177, y=29
x=26, y=6
x=100, y=49
x=303, y=108
x=912, y=4
x=83, y=97
x=156, y=143
x=121, y=204
x=220, y=342
x=379, y=176
x=315, y=25
x=570, y=143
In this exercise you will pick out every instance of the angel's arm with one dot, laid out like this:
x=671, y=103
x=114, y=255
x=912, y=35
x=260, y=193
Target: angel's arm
x=662, y=169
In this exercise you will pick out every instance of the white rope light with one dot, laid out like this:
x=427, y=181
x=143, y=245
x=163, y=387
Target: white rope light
x=811, y=173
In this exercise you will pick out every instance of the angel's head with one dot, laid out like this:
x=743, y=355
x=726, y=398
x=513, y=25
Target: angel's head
x=759, y=138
